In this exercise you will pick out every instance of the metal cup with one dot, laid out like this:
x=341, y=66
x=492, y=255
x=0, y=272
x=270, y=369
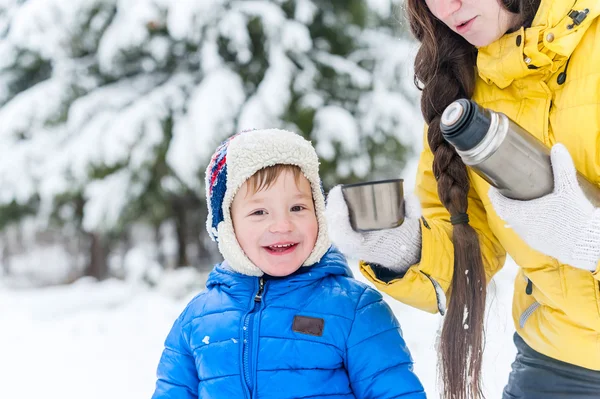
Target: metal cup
x=375, y=205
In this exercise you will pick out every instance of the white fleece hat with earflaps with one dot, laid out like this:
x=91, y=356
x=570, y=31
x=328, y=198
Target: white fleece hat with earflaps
x=234, y=162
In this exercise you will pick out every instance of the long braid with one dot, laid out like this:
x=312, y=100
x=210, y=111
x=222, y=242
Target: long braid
x=447, y=72
x=462, y=338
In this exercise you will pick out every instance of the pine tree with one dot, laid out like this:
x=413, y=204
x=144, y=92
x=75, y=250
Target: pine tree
x=110, y=109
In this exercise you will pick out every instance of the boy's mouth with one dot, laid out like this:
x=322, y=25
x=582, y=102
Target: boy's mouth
x=281, y=249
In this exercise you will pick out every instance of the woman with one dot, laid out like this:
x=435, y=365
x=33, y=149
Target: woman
x=537, y=61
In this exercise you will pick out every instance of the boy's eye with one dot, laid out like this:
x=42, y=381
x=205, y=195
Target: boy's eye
x=259, y=212
x=297, y=208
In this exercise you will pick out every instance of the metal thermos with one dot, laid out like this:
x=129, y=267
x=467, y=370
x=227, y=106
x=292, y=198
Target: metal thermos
x=502, y=152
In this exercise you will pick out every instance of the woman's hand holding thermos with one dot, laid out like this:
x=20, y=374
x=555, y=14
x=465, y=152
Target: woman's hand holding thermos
x=538, y=192
x=563, y=224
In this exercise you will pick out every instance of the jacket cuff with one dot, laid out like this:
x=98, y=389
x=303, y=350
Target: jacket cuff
x=421, y=285
x=384, y=274
x=433, y=235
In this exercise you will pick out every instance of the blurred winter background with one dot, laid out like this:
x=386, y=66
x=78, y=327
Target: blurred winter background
x=109, y=111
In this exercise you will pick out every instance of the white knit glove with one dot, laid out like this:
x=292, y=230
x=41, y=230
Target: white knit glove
x=563, y=224
x=396, y=249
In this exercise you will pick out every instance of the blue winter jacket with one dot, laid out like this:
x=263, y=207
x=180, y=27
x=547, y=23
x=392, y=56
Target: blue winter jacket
x=315, y=334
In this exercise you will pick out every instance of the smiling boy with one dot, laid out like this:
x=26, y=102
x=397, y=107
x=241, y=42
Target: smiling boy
x=282, y=316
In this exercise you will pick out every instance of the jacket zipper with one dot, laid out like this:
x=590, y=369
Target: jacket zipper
x=248, y=324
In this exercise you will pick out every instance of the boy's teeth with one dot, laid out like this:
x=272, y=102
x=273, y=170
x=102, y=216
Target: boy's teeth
x=281, y=246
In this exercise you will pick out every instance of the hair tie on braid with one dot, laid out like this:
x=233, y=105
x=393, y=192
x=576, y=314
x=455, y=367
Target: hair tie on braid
x=459, y=218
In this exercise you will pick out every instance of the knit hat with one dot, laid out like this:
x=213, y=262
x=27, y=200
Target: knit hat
x=234, y=162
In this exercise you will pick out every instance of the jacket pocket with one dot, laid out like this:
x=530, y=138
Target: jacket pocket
x=440, y=295
x=528, y=312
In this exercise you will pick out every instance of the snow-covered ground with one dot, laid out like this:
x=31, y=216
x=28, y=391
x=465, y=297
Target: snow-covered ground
x=103, y=340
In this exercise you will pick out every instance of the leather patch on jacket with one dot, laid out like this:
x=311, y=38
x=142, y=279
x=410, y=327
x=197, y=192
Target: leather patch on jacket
x=308, y=325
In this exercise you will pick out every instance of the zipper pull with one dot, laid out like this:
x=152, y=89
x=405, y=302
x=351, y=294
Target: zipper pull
x=261, y=286
x=529, y=288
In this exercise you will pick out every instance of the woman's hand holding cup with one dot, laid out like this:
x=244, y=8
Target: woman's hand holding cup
x=395, y=248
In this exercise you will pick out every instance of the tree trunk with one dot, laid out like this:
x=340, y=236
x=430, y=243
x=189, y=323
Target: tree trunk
x=4, y=256
x=98, y=266
x=204, y=257
x=181, y=228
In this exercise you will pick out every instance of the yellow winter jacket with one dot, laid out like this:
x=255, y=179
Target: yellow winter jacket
x=520, y=75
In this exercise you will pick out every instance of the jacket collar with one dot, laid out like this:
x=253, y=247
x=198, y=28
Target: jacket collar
x=543, y=47
x=332, y=263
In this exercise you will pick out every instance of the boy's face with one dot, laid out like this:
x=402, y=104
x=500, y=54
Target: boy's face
x=276, y=226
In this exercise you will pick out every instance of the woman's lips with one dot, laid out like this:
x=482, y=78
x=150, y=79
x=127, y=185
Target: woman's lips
x=465, y=26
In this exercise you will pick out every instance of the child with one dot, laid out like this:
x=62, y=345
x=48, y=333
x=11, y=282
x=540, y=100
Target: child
x=282, y=316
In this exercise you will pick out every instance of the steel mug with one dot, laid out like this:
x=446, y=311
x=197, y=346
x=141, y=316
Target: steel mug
x=375, y=205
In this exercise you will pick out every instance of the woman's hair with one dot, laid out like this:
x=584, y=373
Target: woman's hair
x=445, y=71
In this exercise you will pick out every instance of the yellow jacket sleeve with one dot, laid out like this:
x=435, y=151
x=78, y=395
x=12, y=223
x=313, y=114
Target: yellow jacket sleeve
x=417, y=286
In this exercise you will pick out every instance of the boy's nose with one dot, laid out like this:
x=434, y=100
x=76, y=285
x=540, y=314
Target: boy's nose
x=445, y=8
x=281, y=225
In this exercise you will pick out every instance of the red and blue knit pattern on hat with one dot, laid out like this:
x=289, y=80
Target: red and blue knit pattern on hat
x=216, y=185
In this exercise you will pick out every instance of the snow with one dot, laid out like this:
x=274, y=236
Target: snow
x=265, y=108
x=97, y=340
x=334, y=124
x=296, y=37
x=383, y=7
x=85, y=341
x=100, y=211
x=271, y=14
x=358, y=76
x=126, y=32
x=305, y=11
x=239, y=40
x=33, y=265
x=208, y=118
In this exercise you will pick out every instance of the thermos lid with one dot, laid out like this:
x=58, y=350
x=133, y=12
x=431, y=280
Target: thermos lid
x=464, y=124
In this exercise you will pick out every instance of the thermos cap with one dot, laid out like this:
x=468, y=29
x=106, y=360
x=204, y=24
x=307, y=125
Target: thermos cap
x=452, y=114
x=464, y=124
